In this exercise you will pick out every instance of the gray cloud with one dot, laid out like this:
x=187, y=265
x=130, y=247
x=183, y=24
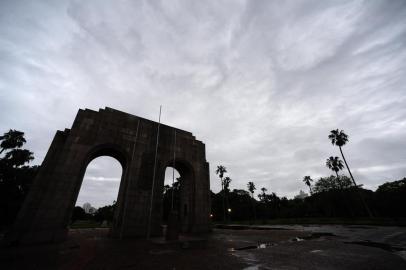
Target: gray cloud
x=260, y=82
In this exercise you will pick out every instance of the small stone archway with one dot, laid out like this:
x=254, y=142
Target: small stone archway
x=46, y=212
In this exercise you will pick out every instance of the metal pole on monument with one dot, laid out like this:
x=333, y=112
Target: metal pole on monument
x=153, y=176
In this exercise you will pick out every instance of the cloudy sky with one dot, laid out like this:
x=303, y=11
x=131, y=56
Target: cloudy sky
x=261, y=83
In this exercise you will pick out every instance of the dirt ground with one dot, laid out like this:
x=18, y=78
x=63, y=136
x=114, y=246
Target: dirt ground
x=271, y=247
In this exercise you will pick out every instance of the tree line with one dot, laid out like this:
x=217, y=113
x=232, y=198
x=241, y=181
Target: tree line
x=332, y=196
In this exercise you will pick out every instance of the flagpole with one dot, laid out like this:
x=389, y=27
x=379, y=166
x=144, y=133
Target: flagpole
x=153, y=176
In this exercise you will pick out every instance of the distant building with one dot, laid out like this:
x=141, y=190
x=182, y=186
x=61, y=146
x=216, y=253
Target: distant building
x=301, y=195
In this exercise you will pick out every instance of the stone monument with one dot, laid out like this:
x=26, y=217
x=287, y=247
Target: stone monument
x=47, y=210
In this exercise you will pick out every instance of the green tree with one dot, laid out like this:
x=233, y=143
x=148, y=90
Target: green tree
x=331, y=183
x=15, y=177
x=308, y=182
x=105, y=213
x=339, y=138
x=221, y=170
x=18, y=157
x=251, y=189
x=391, y=198
x=11, y=139
x=334, y=164
x=393, y=186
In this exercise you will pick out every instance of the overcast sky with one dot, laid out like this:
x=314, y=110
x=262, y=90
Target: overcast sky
x=261, y=83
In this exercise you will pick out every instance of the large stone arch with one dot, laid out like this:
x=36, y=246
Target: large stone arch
x=131, y=140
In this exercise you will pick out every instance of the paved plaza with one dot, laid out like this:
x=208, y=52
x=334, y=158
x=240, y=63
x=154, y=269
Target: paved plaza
x=266, y=247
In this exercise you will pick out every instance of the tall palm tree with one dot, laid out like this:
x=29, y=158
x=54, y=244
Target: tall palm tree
x=339, y=138
x=221, y=170
x=335, y=164
x=307, y=180
x=12, y=139
x=251, y=188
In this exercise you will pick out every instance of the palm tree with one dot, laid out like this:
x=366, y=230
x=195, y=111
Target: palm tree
x=226, y=183
x=339, y=138
x=221, y=170
x=335, y=164
x=12, y=139
x=263, y=195
x=251, y=188
x=307, y=180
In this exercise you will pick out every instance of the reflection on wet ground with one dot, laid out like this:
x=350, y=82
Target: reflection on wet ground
x=325, y=243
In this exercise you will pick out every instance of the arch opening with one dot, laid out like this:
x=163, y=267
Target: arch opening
x=97, y=196
x=183, y=193
x=171, y=199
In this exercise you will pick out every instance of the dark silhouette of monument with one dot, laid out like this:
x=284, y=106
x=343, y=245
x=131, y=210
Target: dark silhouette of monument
x=47, y=210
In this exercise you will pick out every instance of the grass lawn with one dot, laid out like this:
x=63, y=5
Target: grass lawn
x=83, y=224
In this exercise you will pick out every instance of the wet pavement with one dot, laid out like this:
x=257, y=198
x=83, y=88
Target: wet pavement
x=264, y=247
x=322, y=247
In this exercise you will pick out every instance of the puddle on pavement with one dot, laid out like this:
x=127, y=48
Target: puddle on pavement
x=316, y=251
x=246, y=227
x=295, y=239
x=258, y=246
x=316, y=235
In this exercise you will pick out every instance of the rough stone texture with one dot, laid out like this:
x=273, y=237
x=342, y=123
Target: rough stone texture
x=47, y=210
